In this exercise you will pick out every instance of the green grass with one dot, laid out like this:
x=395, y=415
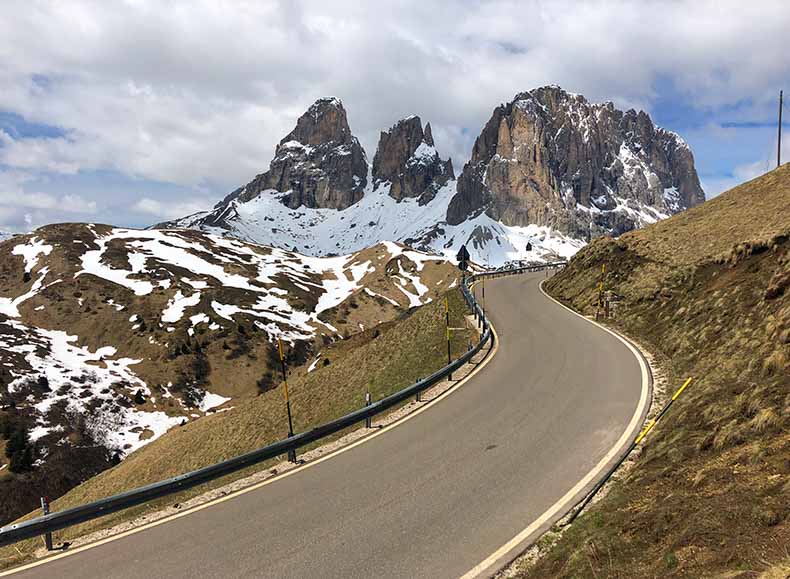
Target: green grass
x=381, y=360
x=707, y=292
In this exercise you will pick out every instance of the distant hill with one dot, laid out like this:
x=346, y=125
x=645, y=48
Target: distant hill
x=708, y=292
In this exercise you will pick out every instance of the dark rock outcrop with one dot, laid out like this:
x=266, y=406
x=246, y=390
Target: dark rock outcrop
x=320, y=164
x=407, y=159
x=552, y=158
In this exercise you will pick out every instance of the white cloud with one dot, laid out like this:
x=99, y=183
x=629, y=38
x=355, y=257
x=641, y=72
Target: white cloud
x=21, y=210
x=195, y=93
x=171, y=210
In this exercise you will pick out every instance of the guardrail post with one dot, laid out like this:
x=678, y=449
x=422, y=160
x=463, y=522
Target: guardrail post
x=45, y=509
x=417, y=397
x=368, y=420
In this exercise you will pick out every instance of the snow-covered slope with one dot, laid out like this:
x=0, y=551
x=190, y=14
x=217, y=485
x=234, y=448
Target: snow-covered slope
x=376, y=217
x=109, y=337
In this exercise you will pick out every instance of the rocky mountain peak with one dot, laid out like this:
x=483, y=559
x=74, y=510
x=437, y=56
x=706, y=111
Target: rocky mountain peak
x=428, y=134
x=552, y=158
x=549, y=170
x=407, y=159
x=324, y=122
x=319, y=165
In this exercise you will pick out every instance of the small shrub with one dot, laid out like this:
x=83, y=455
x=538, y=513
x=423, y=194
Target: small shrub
x=766, y=419
x=767, y=516
x=193, y=396
x=775, y=363
x=728, y=435
x=265, y=383
x=19, y=451
x=43, y=383
x=670, y=560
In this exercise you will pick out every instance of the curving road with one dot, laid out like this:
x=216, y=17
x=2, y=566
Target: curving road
x=434, y=496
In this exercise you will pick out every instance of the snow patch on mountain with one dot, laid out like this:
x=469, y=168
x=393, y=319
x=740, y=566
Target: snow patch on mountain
x=205, y=288
x=10, y=306
x=30, y=251
x=74, y=379
x=376, y=218
x=334, y=278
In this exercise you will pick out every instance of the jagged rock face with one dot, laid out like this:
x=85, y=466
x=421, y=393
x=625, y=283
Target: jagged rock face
x=407, y=159
x=559, y=168
x=552, y=158
x=320, y=163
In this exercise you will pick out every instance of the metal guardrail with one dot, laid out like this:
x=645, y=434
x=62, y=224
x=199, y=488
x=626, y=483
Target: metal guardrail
x=82, y=513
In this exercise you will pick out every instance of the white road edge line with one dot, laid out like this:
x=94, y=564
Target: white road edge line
x=487, y=566
x=482, y=364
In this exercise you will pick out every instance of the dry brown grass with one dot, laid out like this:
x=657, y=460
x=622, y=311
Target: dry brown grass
x=778, y=571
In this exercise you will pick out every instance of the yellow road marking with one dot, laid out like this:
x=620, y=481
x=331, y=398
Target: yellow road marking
x=483, y=363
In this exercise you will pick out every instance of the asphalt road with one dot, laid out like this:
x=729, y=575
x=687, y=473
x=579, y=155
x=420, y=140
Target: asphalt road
x=432, y=497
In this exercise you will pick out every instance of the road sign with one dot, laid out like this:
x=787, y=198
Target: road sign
x=463, y=258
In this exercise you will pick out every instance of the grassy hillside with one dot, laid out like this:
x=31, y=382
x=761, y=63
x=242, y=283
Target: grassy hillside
x=380, y=360
x=110, y=337
x=709, y=292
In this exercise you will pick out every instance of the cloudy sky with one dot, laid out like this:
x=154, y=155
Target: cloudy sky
x=137, y=111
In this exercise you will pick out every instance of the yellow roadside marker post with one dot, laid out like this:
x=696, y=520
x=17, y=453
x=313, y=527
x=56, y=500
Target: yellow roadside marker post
x=484, y=296
x=447, y=331
x=637, y=440
x=291, y=452
x=653, y=422
x=600, y=292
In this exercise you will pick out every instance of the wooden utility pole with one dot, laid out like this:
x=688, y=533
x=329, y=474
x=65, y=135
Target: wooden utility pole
x=779, y=140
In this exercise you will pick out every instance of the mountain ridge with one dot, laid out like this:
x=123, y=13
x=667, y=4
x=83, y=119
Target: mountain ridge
x=549, y=170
